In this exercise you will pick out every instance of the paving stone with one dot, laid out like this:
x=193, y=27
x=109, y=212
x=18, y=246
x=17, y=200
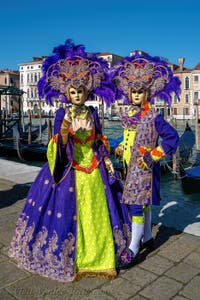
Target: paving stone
x=66, y=292
x=190, y=239
x=176, y=251
x=12, y=194
x=10, y=209
x=97, y=295
x=139, y=276
x=165, y=236
x=121, y=289
x=158, y=277
x=192, y=289
x=156, y=264
x=182, y=272
x=10, y=273
x=4, y=250
x=179, y=298
x=7, y=233
x=163, y=289
x=20, y=204
x=9, y=218
x=35, y=287
x=4, y=295
x=3, y=258
x=137, y=297
x=193, y=259
x=198, y=250
x=91, y=283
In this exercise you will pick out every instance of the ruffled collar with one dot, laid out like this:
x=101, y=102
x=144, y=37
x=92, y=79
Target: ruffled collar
x=134, y=115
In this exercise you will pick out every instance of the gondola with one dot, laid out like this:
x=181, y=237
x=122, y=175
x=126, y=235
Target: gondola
x=186, y=144
x=189, y=173
x=190, y=179
x=15, y=142
x=24, y=134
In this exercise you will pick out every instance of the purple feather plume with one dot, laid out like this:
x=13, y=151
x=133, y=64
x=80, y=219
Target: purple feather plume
x=69, y=50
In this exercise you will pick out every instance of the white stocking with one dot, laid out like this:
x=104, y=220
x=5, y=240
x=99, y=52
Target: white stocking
x=137, y=233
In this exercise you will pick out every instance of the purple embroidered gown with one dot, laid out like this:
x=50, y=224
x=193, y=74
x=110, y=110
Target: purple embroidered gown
x=57, y=229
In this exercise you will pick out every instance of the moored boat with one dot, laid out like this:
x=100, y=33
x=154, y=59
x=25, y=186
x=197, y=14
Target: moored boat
x=190, y=179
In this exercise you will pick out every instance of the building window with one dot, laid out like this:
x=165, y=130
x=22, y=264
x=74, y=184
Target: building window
x=196, y=95
x=196, y=78
x=175, y=99
x=22, y=79
x=175, y=111
x=185, y=111
x=186, y=98
x=187, y=83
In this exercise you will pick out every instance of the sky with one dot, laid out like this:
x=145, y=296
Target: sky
x=169, y=29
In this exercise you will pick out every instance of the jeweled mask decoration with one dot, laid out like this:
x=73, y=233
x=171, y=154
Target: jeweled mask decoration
x=74, y=72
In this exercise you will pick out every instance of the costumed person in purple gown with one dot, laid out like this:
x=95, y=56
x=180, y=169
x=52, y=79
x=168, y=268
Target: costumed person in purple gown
x=73, y=224
x=141, y=79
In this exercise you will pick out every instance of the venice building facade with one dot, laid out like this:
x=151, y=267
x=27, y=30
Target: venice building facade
x=181, y=109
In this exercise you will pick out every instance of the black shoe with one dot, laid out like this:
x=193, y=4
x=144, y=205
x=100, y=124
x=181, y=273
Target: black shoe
x=148, y=245
x=127, y=259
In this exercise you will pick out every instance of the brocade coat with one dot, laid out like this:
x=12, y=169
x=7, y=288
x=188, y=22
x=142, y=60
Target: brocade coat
x=142, y=187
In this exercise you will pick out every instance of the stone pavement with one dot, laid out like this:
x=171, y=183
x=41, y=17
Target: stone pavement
x=171, y=271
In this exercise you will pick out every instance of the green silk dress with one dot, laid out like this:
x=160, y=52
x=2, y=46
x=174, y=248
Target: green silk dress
x=95, y=244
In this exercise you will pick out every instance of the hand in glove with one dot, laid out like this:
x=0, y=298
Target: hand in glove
x=65, y=128
x=141, y=163
x=145, y=162
x=109, y=165
x=119, y=151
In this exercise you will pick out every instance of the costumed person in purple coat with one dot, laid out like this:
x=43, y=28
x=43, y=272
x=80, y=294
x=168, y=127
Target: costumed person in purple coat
x=73, y=224
x=140, y=79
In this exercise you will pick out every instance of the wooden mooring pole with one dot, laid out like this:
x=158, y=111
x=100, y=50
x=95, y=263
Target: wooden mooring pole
x=197, y=126
x=29, y=127
x=49, y=129
x=175, y=157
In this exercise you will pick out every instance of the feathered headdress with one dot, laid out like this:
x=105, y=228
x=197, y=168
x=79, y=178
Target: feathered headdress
x=145, y=72
x=71, y=66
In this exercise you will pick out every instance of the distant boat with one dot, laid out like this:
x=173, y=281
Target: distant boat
x=114, y=118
